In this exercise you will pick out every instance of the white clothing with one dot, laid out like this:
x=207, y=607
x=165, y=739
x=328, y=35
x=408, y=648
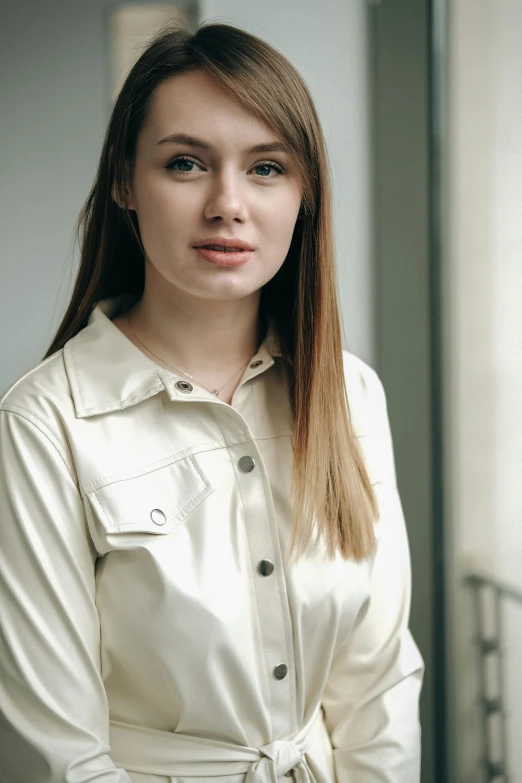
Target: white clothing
x=134, y=515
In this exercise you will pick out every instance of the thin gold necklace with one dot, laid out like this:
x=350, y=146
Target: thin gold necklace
x=213, y=391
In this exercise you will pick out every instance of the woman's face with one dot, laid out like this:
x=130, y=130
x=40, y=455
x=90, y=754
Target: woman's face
x=210, y=185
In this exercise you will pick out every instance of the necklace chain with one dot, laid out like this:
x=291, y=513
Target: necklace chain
x=214, y=391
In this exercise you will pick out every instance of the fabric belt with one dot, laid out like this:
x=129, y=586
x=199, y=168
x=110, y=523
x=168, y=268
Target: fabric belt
x=139, y=749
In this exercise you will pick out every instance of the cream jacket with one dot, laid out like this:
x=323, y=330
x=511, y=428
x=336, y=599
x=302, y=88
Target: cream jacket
x=151, y=627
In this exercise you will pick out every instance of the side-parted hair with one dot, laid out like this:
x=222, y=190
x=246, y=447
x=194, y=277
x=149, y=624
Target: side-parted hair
x=332, y=497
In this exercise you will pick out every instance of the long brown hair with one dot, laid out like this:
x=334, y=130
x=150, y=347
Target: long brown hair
x=332, y=497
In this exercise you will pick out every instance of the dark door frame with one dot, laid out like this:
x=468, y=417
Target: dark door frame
x=406, y=87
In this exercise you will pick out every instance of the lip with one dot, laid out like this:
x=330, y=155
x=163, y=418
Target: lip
x=231, y=242
x=221, y=258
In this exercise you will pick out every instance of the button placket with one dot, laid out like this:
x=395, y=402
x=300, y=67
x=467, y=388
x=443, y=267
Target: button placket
x=246, y=464
x=265, y=567
x=270, y=595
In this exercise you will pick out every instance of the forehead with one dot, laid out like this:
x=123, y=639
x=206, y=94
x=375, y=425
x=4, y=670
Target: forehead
x=195, y=103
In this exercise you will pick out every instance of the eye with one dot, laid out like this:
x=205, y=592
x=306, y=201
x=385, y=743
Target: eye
x=186, y=165
x=266, y=168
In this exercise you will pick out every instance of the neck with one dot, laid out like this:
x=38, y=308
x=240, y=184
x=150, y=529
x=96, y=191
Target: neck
x=209, y=335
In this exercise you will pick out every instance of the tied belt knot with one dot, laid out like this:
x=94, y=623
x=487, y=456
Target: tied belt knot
x=278, y=758
x=154, y=752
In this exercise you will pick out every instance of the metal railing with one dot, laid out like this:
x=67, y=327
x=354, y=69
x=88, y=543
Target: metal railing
x=488, y=595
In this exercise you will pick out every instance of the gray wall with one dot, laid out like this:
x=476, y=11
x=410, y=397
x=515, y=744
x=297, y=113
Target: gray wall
x=53, y=98
x=52, y=120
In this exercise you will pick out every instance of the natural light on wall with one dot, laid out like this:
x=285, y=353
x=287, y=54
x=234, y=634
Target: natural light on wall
x=131, y=26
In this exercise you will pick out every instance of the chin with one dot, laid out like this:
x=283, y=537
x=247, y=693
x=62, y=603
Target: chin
x=226, y=296
x=225, y=290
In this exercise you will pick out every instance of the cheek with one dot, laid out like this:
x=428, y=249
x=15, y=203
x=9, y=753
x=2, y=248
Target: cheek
x=280, y=222
x=158, y=202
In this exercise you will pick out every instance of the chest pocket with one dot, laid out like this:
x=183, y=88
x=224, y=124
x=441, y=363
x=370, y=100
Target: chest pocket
x=153, y=500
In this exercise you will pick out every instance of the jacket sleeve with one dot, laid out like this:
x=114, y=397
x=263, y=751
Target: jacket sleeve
x=54, y=721
x=371, y=697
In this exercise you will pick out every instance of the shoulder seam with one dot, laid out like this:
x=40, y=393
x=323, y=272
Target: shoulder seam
x=30, y=417
x=26, y=375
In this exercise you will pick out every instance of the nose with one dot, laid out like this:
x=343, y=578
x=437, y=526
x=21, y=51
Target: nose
x=227, y=199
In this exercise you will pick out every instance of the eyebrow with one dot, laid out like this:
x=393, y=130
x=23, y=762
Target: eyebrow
x=192, y=141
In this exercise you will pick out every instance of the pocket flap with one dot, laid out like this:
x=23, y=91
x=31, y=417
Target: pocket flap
x=155, y=501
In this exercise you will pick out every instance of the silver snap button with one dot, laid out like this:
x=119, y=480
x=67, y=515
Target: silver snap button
x=256, y=363
x=246, y=464
x=157, y=516
x=265, y=567
x=184, y=386
x=280, y=671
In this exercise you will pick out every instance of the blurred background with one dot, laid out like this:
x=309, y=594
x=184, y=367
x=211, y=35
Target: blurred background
x=421, y=104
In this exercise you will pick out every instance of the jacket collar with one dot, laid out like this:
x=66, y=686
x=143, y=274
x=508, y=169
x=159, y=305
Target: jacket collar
x=107, y=372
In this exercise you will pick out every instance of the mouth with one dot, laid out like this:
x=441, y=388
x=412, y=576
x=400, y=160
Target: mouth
x=222, y=248
x=223, y=256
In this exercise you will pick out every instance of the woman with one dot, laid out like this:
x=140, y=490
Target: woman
x=205, y=571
